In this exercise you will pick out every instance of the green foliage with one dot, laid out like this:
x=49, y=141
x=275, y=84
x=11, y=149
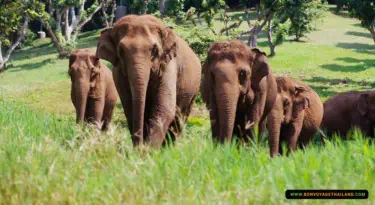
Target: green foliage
x=340, y=5
x=64, y=3
x=364, y=10
x=302, y=15
x=280, y=33
x=29, y=39
x=199, y=39
x=138, y=6
x=174, y=8
x=208, y=8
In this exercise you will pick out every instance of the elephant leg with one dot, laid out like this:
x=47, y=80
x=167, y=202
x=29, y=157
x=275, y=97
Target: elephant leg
x=89, y=112
x=107, y=115
x=164, y=109
x=123, y=89
x=97, y=112
x=175, y=128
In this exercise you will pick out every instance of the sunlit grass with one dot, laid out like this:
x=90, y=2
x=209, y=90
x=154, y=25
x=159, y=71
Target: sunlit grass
x=44, y=159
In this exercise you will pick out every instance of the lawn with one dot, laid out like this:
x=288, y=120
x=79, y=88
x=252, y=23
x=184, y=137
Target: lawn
x=46, y=159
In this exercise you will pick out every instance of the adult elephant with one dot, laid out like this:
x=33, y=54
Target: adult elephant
x=348, y=110
x=238, y=88
x=156, y=73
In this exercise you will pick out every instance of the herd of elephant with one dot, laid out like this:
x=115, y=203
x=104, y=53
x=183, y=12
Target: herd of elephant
x=157, y=77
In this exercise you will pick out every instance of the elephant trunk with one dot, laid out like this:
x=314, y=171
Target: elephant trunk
x=227, y=105
x=139, y=82
x=81, y=93
x=274, y=139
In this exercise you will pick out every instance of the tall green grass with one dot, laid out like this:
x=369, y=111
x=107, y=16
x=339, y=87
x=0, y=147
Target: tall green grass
x=45, y=159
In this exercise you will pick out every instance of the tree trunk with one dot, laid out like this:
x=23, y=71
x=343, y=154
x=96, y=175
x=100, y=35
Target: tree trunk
x=146, y=6
x=63, y=53
x=269, y=37
x=1, y=54
x=199, y=18
x=21, y=35
x=58, y=20
x=162, y=7
x=372, y=30
x=112, y=18
x=258, y=12
x=77, y=24
x=68, y=29
x=253, y=38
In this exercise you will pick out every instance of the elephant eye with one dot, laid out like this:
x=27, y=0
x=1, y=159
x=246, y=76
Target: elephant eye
x=242, y=76
x=286, y=102
x=154, y=51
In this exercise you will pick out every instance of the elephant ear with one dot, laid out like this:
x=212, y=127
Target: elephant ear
x=72, y=58
x=206, y=84
x=304, y=100
x=168, y=38
x=259, y=66
x=299, y=89
x=363, y=103
x=106, y=48
x=94, y=66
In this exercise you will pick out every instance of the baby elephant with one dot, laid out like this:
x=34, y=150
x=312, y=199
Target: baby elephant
x=93, y=91
x=350, y=109
x=295, y=116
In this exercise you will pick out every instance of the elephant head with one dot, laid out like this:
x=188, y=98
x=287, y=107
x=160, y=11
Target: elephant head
x=231, y=71
x=366, y=106
x=295, y=98
x=140, y=47
x=84, y=71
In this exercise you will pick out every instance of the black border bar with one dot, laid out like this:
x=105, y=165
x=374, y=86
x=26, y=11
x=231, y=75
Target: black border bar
x=326, y=194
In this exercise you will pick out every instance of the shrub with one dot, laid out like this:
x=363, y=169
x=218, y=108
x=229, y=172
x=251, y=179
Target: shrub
x=29, y=38
x=302, y=15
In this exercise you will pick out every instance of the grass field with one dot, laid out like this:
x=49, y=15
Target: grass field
x=46, y=159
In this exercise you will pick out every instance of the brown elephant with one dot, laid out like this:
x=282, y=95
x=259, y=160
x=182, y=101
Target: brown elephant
x=156, y=73
x=347, y=110
x=238, y=89
x=93, y=90
x=295, y=116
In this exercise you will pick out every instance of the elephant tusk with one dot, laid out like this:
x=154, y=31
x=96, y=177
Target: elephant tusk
x=249, y=125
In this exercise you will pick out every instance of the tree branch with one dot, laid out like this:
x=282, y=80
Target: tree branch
x=232, y=26
x=60, y=48
x=21, y=35
x=81, y=24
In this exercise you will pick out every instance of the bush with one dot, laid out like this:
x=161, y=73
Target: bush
x=29, y=38
x=200, y=39
x=174, y=7
x=302, y=15
x=138, y=6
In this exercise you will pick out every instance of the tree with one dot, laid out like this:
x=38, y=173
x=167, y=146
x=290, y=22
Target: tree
x=108, y=6
x=302, y=14
x=72, y=15
x=15, y=16
x=265, y=13
x=364, y=10
x=205, y=8
x=274, y=13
